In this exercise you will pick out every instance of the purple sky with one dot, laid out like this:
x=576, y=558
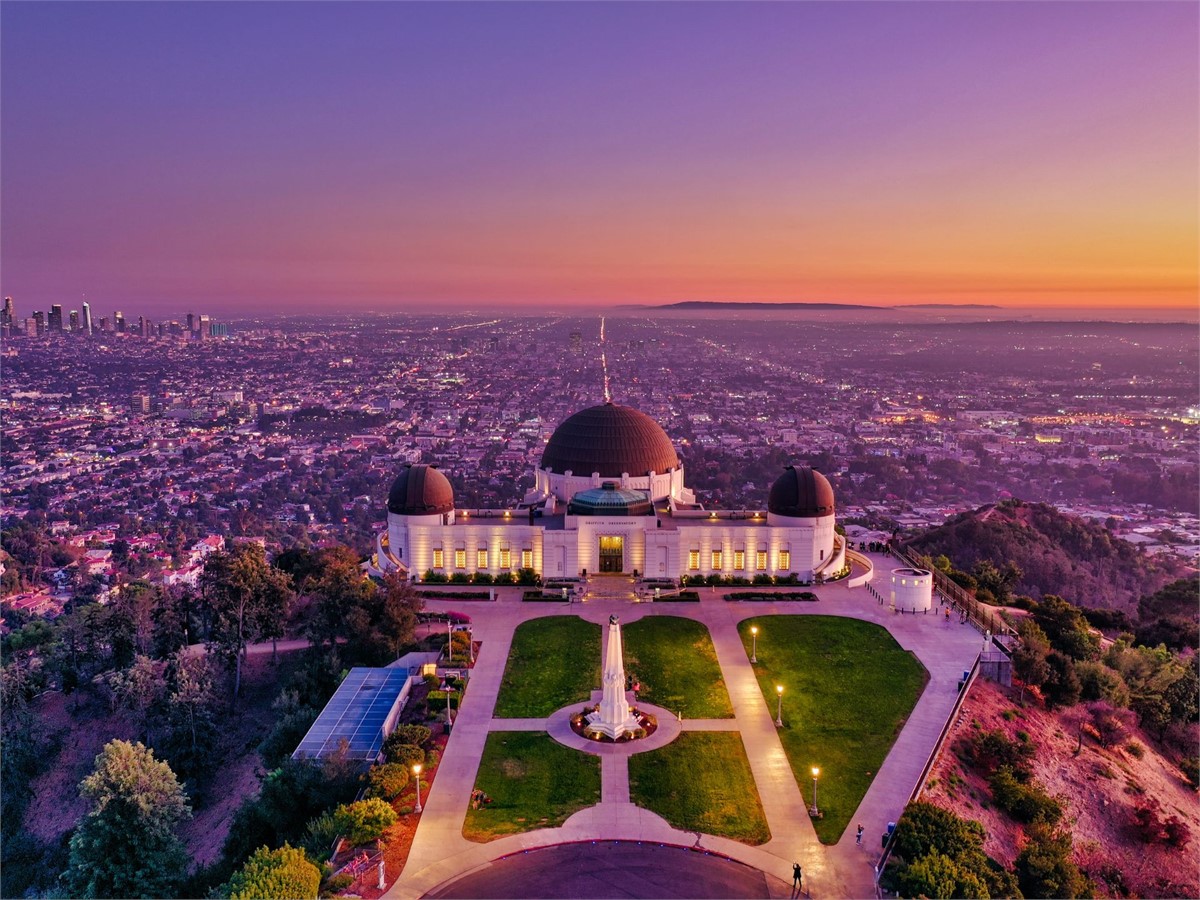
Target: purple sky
x=260, y=157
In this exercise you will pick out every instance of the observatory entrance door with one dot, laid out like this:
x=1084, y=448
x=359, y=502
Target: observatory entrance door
x=612, y=553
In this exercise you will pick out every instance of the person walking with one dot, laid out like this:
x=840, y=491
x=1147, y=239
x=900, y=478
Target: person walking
x=858, y=836
x=797, y=874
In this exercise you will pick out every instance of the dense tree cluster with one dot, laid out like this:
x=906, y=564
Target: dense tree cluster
x=1032, y=549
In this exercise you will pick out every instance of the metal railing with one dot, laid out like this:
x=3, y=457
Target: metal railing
x=928, y=767
x=978, y=614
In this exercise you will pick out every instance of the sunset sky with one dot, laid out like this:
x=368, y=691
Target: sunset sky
x=267, y=157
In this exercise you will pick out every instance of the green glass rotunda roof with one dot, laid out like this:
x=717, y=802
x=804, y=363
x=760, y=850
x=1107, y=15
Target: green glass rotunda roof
x=610, y=500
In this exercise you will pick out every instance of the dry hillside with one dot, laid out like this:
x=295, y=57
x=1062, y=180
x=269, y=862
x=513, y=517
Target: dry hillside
x=1101, y=789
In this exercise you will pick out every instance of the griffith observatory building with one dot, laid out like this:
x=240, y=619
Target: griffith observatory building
x=609, y=497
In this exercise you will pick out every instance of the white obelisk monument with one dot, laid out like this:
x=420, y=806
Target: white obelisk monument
x=614, y=717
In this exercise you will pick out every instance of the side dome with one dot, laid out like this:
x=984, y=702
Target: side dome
x=802, y=493
x=611, y=440
x=420, y=490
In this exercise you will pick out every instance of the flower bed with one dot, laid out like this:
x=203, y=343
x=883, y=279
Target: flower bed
x=648, y=725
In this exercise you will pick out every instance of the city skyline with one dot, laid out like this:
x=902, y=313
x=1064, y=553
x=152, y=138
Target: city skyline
x=262, y=159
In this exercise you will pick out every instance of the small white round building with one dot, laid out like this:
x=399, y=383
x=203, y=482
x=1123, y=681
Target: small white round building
x=912, y=590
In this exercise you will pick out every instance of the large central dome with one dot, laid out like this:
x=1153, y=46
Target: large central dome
x=612, y=440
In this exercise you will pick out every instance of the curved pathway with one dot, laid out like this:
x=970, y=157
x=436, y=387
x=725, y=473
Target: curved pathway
x=440, y=853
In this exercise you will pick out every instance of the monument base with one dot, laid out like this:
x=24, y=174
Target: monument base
x=611, y=730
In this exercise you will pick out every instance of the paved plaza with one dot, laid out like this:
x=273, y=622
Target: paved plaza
x=440, y=854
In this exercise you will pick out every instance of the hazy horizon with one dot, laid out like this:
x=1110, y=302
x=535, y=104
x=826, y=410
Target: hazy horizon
x=527, y=156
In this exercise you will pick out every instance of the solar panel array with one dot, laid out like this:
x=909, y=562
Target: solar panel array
x=356, y=712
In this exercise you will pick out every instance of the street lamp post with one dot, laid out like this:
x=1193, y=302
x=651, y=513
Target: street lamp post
x=815, y=811
x=449, y=705
x=753, y=643
x=449, y=642
x=417, y=772
x=471, y=643
x=779, y=707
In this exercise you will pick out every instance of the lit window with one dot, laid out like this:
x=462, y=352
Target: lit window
x=526, y=559
x=460, y=559
x=739, y=560
x=439, y=558
x=481, y=558
x=785, y=560
x=693, y=560
x=716, y=559
x=760, y=560
x=506, y=559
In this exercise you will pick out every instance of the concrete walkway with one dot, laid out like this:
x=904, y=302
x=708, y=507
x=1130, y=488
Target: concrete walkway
x=439, y=851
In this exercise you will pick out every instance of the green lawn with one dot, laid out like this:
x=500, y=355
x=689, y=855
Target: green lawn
x=675, y=662
x=701, y=781
x=553, y=661
x=534, y=782
x=848, y=689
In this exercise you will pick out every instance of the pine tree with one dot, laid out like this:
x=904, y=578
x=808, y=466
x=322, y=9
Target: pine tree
x=126, y=846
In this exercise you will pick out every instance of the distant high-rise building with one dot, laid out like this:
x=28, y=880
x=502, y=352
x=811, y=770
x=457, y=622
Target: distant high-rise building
x=39, y=323
x=87, y=318
x=218, y=329
x=30, y=326
x=141, y=329
x=9, y=315
x=56, y=319
x=105, y=325
x=74, y=321
x=119, y=322
x=191, y=322
x=140, y=403
x=202, y=328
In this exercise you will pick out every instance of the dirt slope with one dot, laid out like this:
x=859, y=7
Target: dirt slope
x=1100, y=788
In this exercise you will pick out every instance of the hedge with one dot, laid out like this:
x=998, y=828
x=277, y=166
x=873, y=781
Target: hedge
x=772, y=595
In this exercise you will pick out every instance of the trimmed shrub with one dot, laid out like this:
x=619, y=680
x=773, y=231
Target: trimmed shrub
x=528, y=576
x=410, y=734
x=437, y=700
x=387, y=781
x=364, y=820
x=284, y=873
x=404, y=754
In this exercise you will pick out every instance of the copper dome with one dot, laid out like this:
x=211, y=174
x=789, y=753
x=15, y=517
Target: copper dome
x=801, y=493
x=420, y=490
x=611, y=440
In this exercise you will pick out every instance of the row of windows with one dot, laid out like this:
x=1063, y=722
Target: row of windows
x=481, y=558
x=739, y=560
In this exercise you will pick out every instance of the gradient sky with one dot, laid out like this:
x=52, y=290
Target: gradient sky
x=261, y=157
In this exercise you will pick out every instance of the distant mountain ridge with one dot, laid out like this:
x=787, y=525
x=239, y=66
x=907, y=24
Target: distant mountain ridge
x=1057, y=553
x=763, y=304
x=749, y=304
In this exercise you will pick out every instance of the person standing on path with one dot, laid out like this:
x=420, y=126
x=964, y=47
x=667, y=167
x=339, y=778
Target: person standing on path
x=797, y=874
x=858, y=836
